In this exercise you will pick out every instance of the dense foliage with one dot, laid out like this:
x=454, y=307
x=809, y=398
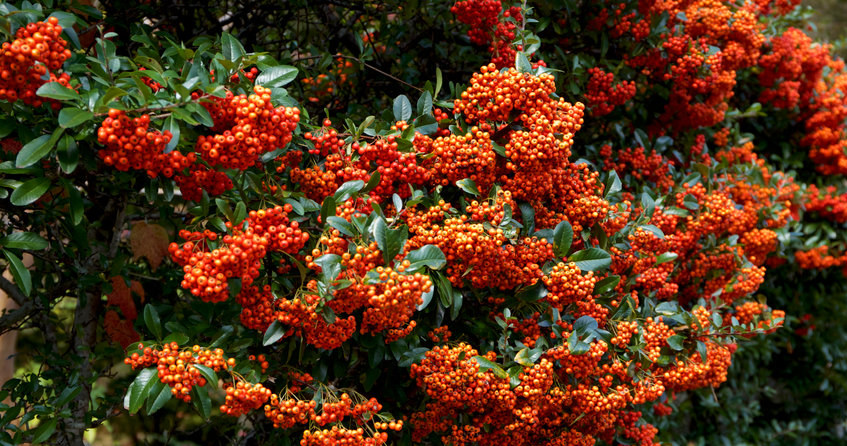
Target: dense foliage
x=464, y=223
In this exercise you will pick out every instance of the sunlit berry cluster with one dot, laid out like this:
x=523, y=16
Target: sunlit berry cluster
x=175, y=366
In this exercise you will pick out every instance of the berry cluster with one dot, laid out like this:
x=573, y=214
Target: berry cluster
x=176, y=367
x=29, y=61
x=244, y=397
x=207, y=272
x=249, y=126
x=131, y=145
x=602, y=97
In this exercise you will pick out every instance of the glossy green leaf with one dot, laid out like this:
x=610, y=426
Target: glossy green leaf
x=231, y=48
x=19, y=272
x=278, y=76
x=209, y=374
x=44, y=431
x=29, y=191
x=402, y=108
x=390, y=241
x=72, y=117
x=429, y=256
x=468, y=185
x=562, y=238
x=486, y=364
x=202, y=401
x=591, y=259
x=160, y=394
x=139, y=389
x=33, y=151
x=55, y=90
x=151, y=319
x=23, y=240
x=274, y=333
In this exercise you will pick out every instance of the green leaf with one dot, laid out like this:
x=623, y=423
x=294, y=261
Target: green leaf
x=704, y=352
x=151, y=319
x=591, y=259
x=445, y=290
x=373, y=182
x=402, y=108
x=209, y=374
x=202, y=402
x=562, y=238
x=67, y=395
x=425, y=104
x=111, y=94
x=439, y=81
x=648, y=203
x=390, y=241
x=24, y=240
x=673, y=210
x=231, y=48
x=274, y=333
x=427, y=298
x=690, y=202
x=667, y=308
x=342, y=225
x=30, y=191
x=500, y=150
x=77, y=207
x=456, y=305
x=347, y=190
x=486, y=364
x=514, y=375
x=675, y=342
x=328, y=208
x=72, y=117
x=139, y=389
x=278, y=76
x=66, y=151
x=240, y=213
x=468, y=185
x=654, y=229
x=44, y=430
x=585, y=325
x=526, y=358
x=7, y=126
x=607, y=284
x=577, y=347
x=666, y=257
x=160, y=394
x=55, y=90
x=36, y=149
x=234, y=285
x=613, y=183
x=429, y=256
x=171, y=125
x=179, y=338
x=522, y=63
x=19, y=272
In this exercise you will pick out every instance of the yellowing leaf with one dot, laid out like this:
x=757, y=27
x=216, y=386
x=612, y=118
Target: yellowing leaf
x=149, y=241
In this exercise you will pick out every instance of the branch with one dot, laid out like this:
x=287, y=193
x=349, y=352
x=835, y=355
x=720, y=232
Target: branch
x=11, y=318
x=13, y=291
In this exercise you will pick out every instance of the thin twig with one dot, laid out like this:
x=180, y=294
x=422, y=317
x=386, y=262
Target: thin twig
x=341, y=56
